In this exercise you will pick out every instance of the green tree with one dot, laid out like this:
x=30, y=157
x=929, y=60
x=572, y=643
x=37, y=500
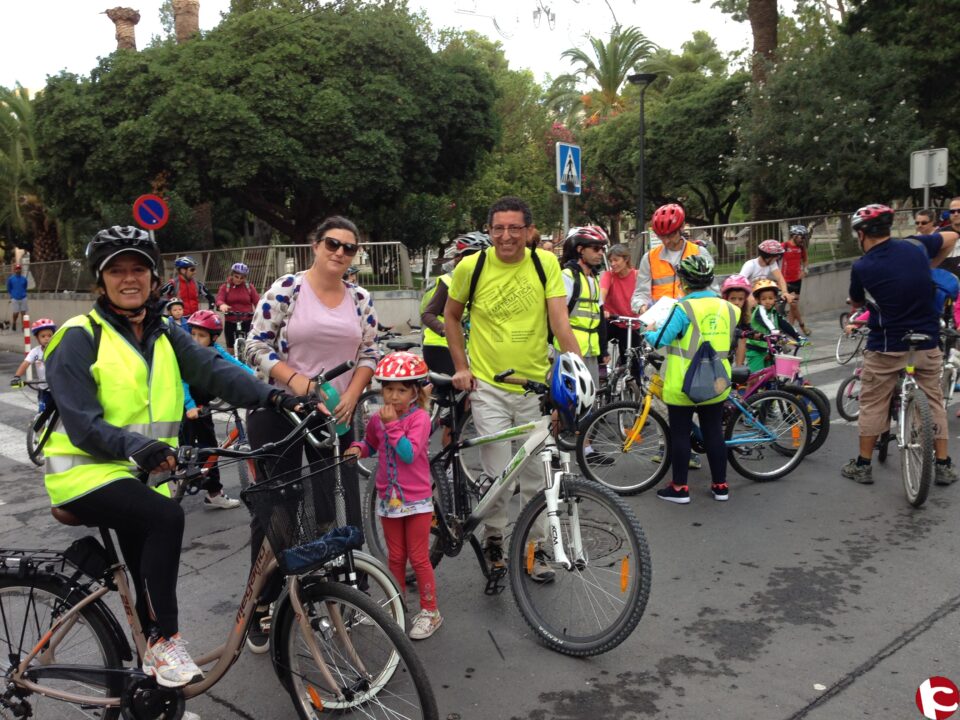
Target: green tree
x=344, y=110
x=22, y=208
x=700, y=54
x=605, y=70
x=831, y=131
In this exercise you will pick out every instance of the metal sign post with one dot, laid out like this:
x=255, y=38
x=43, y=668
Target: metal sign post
x=928, y=168
x=568, y=177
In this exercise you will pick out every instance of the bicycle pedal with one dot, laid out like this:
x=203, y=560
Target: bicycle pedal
x=494, y=585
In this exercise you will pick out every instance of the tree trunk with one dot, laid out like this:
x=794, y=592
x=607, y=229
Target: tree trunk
x=43, y=230
x=125, y=21
x=203, y=223
x=763, y=18
x=186, y=19
x=615, y=228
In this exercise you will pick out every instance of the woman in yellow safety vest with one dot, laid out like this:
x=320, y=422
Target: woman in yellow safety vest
x=699, y=317
x=116, y=376
x=435, y=351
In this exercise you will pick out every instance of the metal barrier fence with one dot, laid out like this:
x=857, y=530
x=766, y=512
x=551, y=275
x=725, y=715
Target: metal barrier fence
x=383, y=265
x=829, y=236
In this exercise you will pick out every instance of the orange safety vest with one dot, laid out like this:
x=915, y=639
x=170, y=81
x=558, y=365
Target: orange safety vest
x=663, y=276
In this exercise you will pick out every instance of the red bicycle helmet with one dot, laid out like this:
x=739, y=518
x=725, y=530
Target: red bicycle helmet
x=770, y=247
x=586, y=235
x=206, y=320
x=668, y=219
x=873, y=218
x=43, y=324
x=401, y=367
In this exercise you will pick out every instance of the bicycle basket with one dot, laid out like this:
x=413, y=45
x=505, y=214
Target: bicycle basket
x=294, y=509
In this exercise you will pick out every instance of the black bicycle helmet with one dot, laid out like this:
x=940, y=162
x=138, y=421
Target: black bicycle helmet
x=696, y=272
x=113, y=241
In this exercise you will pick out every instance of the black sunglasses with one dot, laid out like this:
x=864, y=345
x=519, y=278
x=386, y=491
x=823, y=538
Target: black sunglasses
x=332, y=244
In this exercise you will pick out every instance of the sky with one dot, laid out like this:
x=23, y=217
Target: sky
x=46, y=36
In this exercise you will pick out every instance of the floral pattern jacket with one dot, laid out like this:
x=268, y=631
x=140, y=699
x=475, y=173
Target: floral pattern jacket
x=267, y=341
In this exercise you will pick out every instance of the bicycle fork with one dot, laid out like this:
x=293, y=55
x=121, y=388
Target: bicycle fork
x=552, y=495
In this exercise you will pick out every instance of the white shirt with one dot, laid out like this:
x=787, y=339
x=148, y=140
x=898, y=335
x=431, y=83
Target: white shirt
x=752, y=270
x=35, y=358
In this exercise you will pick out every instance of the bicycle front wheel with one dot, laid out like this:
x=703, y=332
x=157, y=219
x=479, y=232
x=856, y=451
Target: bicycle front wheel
x=368, y=667
x=616, y=450
x=37, y=433
x=594, y=605
x=917, y=453
x=848, y=398
x=848, y=346
x=28, y=609
x=770, y=439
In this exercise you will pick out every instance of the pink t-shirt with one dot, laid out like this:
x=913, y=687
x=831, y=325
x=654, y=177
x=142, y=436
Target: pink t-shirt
x=619, y=291
x=320, y=338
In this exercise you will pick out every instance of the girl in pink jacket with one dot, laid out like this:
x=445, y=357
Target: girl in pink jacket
x=400, y=434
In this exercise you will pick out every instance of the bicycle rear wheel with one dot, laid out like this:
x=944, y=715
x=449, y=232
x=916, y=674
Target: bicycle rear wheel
x=848, y=346
x=368, y=405
x=917, y=454
x=595, y=605
x=374, y=670
x=28, y=608
x=848, y=398
x=818, y=408
x=771, y=440
x=625, y=458
x=37, y=434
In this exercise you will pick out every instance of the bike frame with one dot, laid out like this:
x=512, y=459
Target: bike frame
x=539, y=443
x=908, y=385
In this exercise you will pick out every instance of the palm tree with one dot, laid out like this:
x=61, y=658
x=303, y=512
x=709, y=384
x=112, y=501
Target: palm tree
x=606, y=69
x=700, y=54
x=21, y=206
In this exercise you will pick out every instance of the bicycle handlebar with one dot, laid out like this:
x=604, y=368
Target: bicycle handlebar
x=628, y=319
x=531, y=385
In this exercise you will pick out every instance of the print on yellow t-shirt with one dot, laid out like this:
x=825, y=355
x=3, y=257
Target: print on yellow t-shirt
x=508, y=319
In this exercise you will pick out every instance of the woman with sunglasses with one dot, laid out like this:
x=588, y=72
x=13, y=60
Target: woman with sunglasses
x=306, y=323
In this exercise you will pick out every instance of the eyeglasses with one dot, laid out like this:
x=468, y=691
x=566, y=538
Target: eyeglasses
x=332, y=244
x=924, y=222
x=514, y=230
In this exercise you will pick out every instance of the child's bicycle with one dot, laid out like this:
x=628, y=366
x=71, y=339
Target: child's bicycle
x=767, y=435
x=587, y=536
x=910, y=408
x=240, y=336
x=332, y=647
x=41, y=424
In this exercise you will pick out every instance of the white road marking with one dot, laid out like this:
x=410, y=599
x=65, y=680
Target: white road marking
x=19, y=400
x=13, y=444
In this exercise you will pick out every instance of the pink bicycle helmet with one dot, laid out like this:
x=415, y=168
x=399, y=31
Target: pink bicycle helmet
x=401, y=367
x=206, y=320
x=668, y=219
x=770, y=247
x=43, y=324
x=735, y=282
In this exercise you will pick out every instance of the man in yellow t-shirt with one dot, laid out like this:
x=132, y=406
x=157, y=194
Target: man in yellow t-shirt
x=510, y=313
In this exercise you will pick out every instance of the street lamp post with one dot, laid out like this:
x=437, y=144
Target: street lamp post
x=643, y=80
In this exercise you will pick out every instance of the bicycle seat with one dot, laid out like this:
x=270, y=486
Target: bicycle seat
x=950, y=333
x=739, y=374
x=916, y=338
x=401, y=345
x=440, y=381
x=65, y=517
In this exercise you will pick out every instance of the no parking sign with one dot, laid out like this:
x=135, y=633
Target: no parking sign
x=151, y=212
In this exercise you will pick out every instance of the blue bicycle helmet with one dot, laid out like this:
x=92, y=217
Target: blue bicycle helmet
x=240, y=269
x=185, y=262
x=571, y=388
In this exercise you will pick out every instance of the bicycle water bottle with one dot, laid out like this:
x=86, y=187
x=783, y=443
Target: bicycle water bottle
x=333, y=399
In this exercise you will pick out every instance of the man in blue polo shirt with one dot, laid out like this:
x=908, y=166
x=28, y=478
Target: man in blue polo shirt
x=17, y=289
x=896, y=274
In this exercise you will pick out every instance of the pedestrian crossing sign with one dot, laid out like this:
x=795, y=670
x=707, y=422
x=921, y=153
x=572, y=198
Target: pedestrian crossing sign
x=568, y=169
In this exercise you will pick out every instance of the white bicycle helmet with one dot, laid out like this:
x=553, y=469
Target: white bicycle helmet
x=571, y=387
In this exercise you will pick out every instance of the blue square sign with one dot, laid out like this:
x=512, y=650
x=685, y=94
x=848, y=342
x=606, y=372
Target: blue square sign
x=568, y=169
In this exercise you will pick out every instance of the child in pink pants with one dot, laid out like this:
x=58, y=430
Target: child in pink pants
x=400, y=434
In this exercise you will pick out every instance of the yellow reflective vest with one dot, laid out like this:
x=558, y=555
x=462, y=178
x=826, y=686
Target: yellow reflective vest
x=711, y=318
x=429, y=336
x=585, y=315
x=147, y=400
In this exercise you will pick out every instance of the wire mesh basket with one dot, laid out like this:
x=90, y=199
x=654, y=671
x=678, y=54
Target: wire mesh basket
x=296, y=507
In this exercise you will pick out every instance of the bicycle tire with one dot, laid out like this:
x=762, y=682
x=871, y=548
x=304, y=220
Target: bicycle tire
x=382, y=587
x=819, y=423
x=36, y=438
x=368, y=404
x=848, y=346
x=605, y=431
x=844, y=319
x=54, y=594
x=388, y=681
x=795, y=422
x=948, y=381
x=848, y=398
x=615, y=570
x=916, y=465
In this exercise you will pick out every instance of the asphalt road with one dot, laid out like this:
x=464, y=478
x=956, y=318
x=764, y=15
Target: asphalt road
x=809, y=597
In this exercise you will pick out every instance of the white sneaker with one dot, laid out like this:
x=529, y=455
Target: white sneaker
x=170, y=664
x=187, y=715
x=221, y=502
x=425, y=624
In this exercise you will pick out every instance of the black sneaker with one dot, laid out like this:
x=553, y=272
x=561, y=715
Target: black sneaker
x=258, y=638
x=721, y=491
x=493, y=552
x=675, y=494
